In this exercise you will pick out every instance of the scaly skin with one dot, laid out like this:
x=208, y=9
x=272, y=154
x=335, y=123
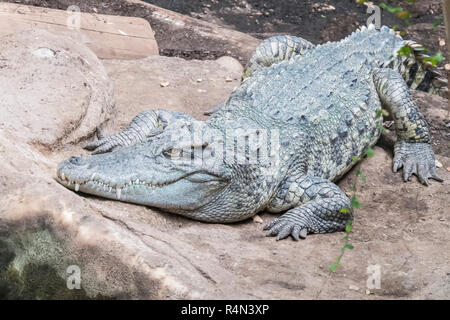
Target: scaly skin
x=300, y=116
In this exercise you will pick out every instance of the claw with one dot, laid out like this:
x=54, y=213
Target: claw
x=303, y=233
x=276, y=229
x=99, y=133
x=92, y=145
x=270, y=224
x=436, y=177
x=423, y=174
x=296, y=233
x=417, y=159
x=397, y=165
x=285, y=232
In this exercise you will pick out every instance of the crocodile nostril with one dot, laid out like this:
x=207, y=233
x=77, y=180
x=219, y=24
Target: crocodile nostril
x=75, y=160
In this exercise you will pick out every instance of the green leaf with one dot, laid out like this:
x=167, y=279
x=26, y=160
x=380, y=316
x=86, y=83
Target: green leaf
x=348, y=228
x=405, y=51
x=344, y=210
x=369, y=152
x=378, y=113
x=405, y=15
x=383, y=129
x=334, y=266
x=437, y=21
x=363, y=178
x=384, y=112
x=389, y=8
x=356, y=159
x=354, y=202
x=349, y=246
x=345, y=238
x=434, y=60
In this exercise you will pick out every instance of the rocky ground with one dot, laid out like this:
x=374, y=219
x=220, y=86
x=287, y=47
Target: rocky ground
x=58, y=92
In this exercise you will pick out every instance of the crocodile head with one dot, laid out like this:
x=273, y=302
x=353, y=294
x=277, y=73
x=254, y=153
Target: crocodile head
x=180, y=170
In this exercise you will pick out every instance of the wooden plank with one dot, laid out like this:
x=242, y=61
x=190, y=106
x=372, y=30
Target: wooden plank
x=110, y=37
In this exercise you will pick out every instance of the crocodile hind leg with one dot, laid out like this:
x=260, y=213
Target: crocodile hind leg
x=146, y=124
x=271, y=51
x=274, y=50
x=318, y=206
x=413, y=149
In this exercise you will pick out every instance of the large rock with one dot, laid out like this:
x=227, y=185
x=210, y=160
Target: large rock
x=53, y=91
x=131, y=251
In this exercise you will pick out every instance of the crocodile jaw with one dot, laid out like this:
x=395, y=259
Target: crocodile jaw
x=148, y=184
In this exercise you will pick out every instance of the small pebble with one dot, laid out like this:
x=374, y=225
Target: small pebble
x=164, y=84
x=257, y=219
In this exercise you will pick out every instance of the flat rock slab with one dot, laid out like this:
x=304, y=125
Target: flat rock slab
x=110, y=37
x=130, y=251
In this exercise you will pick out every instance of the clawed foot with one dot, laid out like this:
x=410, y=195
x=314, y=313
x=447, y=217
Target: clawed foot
x=282, y=227
x=122, y=139
x=101, y=145
x=416, y=158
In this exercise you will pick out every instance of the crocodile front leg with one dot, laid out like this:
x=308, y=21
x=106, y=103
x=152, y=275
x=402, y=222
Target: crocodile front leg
x=413, y=149
x=319, y=206
x=146, y=124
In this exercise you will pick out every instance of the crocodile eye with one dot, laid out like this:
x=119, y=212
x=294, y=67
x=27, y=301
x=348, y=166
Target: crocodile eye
x=172, y=153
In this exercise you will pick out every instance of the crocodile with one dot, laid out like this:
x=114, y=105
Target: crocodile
x=300, y=119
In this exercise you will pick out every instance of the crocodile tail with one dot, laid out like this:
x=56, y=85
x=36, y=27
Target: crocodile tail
x=418, y=73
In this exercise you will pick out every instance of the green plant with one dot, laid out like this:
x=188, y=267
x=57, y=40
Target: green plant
x=354, y=201
x=398, y=11
x=434, y=60
x=437, y=21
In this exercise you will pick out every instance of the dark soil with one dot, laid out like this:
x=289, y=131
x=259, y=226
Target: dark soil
x=316, y=21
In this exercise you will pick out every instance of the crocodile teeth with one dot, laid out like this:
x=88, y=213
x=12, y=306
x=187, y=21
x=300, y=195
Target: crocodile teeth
x=77, y=187
x=63, y=176
x=118, y=192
